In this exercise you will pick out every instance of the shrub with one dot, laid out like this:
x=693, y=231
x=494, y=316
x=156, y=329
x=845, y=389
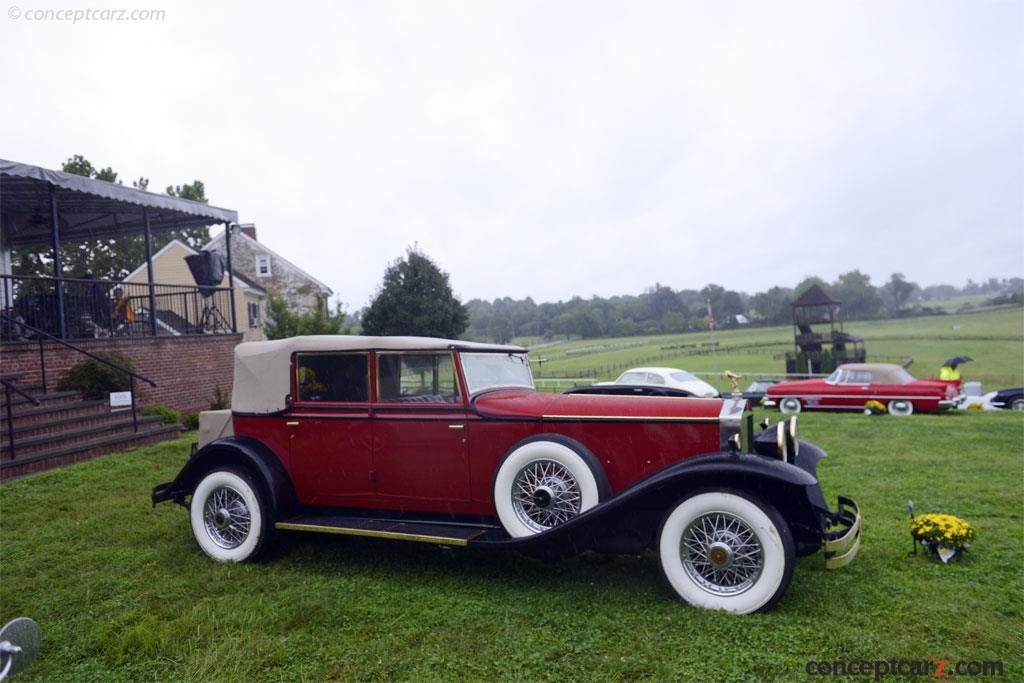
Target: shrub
x=170, y=415
x=220, y=401
x=191, y=421
x=94, y=379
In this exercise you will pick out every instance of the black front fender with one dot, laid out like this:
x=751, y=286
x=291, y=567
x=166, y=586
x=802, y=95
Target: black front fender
x=237, y=451
x=629, y=521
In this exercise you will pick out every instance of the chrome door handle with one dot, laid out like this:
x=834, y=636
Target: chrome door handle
x=456, y=426
x=291, y=424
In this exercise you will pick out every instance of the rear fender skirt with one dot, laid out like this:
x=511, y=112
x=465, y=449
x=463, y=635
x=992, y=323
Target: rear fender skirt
x=638, y=510
x=238, y=451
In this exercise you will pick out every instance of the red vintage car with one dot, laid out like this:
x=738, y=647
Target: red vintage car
x=448, y=442
x=852, y=385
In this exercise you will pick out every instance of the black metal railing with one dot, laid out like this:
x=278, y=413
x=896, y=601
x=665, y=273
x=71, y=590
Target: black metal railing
x=8, y=388
x=91, y=308
x=40, y=336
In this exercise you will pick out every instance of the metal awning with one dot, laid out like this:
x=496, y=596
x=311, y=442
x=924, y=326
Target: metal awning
x=89, y=208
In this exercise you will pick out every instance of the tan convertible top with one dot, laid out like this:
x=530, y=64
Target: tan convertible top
x=262, y=378
x=881, y=373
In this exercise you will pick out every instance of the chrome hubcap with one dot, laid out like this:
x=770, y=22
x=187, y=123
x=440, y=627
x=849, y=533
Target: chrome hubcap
x=226, y=517
x=545, y=493
x=721, y=553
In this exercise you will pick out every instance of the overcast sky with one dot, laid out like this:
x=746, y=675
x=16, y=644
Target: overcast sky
x=552, y=149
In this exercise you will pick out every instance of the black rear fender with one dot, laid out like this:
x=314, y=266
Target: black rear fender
x=240, y=452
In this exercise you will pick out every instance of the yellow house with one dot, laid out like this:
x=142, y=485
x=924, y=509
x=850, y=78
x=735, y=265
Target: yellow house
x=170, y=269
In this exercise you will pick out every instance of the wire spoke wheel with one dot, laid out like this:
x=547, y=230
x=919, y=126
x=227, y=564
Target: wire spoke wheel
x=544, y=494
x=721, y=553
x=226, y=517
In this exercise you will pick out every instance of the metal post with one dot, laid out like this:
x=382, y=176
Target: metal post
x=135, y=413
x=149, y=270
x=55, y=235
x=231, y=275
x=42, y=363
x=10, y=421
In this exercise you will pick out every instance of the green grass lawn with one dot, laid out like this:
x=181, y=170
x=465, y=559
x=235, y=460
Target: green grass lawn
x=122, y=592
x=994, y=339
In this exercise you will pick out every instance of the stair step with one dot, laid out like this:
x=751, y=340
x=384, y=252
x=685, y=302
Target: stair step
x=57, y=438
x=401, y=530
x=34, y=414
x=54, y=397
x=24, y=428
x=84, y=451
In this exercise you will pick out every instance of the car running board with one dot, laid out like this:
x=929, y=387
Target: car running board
x=422, y=532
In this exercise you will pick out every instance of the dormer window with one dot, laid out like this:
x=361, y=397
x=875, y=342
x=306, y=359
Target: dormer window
x=263, y=266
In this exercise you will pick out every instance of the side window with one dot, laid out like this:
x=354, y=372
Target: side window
x=417, y=378
x=655, y=379
x=333, y=377
x=860, y=377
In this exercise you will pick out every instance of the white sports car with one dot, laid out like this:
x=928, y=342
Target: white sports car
x=673, y=378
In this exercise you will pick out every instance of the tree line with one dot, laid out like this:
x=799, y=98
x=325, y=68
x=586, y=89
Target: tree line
x=663, y=310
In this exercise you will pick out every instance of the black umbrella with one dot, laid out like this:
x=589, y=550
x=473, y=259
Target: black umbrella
x=956, y=360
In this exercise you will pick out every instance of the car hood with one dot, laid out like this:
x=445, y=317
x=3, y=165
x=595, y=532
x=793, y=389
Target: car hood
x=796, y=385
x=532, y=404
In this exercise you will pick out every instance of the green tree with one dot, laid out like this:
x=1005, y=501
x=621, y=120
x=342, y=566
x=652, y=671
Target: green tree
x=898, y=290
x=860, y=299
x=415, y=298
x=283, y=323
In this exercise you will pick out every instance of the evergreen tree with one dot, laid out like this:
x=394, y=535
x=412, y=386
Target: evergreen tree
x=415, y=299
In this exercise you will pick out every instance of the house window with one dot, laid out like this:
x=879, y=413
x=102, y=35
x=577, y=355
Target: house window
x=254, y=314
x=263, y=266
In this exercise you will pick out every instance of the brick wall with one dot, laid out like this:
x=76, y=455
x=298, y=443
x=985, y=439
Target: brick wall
x=185, y=369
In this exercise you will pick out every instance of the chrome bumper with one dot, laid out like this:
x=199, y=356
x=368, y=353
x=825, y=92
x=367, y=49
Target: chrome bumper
x=842, y=539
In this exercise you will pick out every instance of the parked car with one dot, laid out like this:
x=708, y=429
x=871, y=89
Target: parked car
x=756, y=392
x=448, y=442
x=671, y=378
x=852, y=385
x=1009, y=399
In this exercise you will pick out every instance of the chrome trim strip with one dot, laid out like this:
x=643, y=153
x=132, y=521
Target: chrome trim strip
x=626, y=418
x=730, y=419
x=866, y=395
x=348, y=531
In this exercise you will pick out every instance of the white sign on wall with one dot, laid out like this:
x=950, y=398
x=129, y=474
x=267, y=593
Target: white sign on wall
x=120, y=399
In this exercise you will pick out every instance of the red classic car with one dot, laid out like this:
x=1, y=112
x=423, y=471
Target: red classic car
x=448, y=442
x=852, y=385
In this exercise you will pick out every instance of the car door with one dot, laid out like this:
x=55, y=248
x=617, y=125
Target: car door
x=855, y=390
x=329, y=427
x=420, y=450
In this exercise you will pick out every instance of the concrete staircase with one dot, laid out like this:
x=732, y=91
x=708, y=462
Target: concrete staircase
x=65, y=428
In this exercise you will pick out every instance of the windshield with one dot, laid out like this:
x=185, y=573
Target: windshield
x=492, y=370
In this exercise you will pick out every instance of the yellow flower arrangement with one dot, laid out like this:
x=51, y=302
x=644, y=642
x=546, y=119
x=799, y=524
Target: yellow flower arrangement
x=946, y=535
x=874, y=407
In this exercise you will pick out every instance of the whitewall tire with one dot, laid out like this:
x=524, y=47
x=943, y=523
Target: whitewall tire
x=228, y=516
x=1018, y=404
x=901, y=408
x=726, y=550
x=790, y=405
x=540, y=485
